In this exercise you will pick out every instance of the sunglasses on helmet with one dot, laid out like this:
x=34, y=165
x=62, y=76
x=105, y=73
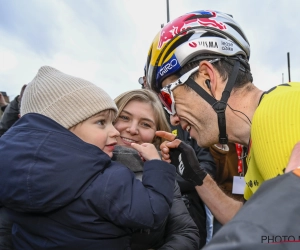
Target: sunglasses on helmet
x=166, y=94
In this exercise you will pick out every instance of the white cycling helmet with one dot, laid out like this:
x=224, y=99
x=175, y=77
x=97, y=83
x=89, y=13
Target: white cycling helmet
x=188, y=37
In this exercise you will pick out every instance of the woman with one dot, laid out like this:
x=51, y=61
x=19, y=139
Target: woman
x=140, y=115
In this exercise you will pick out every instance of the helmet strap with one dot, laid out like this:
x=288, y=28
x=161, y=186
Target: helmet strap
x=218, y=106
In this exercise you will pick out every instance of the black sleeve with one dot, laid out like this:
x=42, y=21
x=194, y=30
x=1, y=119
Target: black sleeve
x=181, y=231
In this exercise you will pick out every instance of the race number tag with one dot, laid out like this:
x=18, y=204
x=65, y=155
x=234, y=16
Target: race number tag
x=238, y=186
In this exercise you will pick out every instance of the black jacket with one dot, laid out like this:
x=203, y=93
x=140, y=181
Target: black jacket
x=179, y=230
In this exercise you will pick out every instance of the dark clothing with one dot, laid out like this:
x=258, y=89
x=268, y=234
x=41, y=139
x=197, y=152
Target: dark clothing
x=5, y=230
x=269, y=215
x=203, y=154
x=3, y=108
x=178, y=232
x=191, y=198
x=63, y=193
x=10, y=115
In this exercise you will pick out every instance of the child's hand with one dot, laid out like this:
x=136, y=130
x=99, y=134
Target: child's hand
x=147, y=151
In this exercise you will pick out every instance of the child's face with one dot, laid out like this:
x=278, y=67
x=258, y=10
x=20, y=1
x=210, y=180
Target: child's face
x=136, y=123
x=99, y=131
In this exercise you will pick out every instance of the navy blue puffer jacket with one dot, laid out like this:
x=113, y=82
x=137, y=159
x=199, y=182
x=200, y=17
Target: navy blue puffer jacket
x=63, y=193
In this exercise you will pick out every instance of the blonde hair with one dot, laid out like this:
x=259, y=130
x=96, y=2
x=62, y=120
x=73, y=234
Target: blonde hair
x=147, y=96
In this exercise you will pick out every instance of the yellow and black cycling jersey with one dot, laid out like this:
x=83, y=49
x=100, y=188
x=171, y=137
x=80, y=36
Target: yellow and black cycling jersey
x=274, y=132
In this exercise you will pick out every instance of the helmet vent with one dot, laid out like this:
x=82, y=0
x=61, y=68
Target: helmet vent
x=199, y=16
x=238, y=30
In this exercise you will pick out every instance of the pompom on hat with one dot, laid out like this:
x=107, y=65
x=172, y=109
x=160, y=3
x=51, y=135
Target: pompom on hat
x=66, y=99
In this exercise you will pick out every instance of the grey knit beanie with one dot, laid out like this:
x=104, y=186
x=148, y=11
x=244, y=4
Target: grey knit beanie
x=66, y=99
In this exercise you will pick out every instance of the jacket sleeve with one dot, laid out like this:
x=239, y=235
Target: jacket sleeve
x=181, y=231
x=270, y=216
x=131, y=203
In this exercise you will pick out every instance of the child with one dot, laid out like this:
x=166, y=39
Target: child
x=58, y=183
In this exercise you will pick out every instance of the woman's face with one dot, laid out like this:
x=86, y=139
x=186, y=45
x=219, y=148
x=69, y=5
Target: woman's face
x=136, y=123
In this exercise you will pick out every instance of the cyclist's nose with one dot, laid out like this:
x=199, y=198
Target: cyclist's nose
x=174, y=120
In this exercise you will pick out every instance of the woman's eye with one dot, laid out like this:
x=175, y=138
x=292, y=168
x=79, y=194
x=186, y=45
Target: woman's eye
x=124, y=117
x=144, y=124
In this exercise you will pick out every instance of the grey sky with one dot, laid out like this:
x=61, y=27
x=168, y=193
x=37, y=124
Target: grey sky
x=107, y=41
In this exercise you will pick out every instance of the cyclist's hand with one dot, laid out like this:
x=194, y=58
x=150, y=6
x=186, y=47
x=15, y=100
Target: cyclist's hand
x=183, y=157
x=188, y=167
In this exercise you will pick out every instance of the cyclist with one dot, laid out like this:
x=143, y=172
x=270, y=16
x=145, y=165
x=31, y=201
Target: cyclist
x=199, y=65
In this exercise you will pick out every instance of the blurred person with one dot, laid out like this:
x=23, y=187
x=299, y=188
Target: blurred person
x=141, y=81
x=140, y=114
x=231, y=162
x=269, y=219
x=198, y=64
x=231, y=168
x=3, y=103
x=11, y=112
x=58, y=184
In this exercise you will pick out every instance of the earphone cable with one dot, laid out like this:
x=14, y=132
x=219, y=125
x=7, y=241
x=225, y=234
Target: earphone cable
x=239, y=112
